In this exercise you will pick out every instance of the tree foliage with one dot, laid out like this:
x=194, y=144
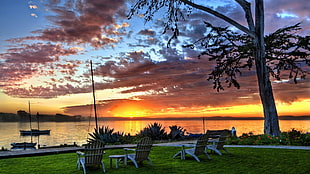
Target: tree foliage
x=285, y=50
x=281, y=50
x=232, y=52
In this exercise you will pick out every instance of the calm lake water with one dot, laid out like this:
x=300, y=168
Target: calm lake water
x=70, y=132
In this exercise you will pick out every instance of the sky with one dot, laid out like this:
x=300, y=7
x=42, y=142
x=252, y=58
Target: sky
x=46, y=48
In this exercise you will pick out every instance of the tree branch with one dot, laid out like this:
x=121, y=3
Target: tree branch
x=221, y=16
x=248, y=14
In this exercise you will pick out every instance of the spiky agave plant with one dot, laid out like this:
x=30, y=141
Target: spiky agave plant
x=154, y=131
x=176, y=132
x=104, y=134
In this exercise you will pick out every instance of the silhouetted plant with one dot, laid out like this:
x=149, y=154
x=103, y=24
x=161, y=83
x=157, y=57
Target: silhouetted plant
x=124, y=138
x=154, y=131
x=3, y=149
x=176, y=132
x=107, y=135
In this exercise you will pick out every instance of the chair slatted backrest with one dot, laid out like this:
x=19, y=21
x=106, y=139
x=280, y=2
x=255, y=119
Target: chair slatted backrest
x=223, y=138
x=221, y=135
x=93, y=153
x=143, y=149
x=201, y=144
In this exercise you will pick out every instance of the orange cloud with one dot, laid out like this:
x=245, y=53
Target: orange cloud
x=33, y=6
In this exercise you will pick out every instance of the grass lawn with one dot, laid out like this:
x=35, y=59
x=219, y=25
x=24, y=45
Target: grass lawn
x=241, y=160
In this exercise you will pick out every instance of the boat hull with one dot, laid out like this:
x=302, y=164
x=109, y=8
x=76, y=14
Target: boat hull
x=34, y=132
x=23, y=145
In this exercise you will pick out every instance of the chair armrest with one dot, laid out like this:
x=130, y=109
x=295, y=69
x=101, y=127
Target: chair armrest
x=79, y=153
x=129, y=149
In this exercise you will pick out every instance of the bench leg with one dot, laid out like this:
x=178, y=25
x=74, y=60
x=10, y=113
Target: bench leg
x=110, y=163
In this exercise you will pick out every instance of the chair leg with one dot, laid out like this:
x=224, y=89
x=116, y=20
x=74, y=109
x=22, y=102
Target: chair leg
x=103, y=168
x=133, y=160
x=177, y=154
x=78, y=164
x=196, y=158
x=218, y=152
x=150, y=161
x=208, y=156
x=226, y=150
x=84, y=168
x=135, y=163
x=215, y=150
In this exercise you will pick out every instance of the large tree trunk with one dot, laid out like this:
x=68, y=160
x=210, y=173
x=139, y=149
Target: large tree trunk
x=271, y=124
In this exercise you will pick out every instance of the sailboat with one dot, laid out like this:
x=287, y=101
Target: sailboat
x=34, y=132
x=25, y=145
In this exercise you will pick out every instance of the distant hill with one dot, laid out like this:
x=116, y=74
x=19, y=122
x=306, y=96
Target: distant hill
x=294, y=117
x=23, y=116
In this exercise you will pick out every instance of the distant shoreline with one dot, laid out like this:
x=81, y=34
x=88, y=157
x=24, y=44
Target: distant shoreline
x=205, y=118
x=10, y=117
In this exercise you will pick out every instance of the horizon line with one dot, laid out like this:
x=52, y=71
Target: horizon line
x=285, y=117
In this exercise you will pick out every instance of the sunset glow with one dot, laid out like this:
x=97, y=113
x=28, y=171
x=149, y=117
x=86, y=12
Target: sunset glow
x=129, y=110
x=46, y=48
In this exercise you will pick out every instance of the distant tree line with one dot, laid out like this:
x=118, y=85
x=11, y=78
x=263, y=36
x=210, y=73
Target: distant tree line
x=23, y=116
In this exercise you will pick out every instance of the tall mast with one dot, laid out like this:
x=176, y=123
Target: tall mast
x=30, y=120
x=29, y=115
x=94, y=97
x=38, y=120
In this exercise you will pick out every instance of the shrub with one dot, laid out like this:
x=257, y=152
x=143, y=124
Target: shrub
x=305, y=139
x=154, y=131
x=177, y=132
x=108, y=136
x=3, y=149
x=293, y=137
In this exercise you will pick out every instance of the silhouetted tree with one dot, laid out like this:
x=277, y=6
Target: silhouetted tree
x=281, y=50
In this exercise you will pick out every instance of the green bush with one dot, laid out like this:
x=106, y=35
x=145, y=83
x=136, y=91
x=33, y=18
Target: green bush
x=293, y=137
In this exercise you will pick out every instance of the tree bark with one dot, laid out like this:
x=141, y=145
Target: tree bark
x=271, y=124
